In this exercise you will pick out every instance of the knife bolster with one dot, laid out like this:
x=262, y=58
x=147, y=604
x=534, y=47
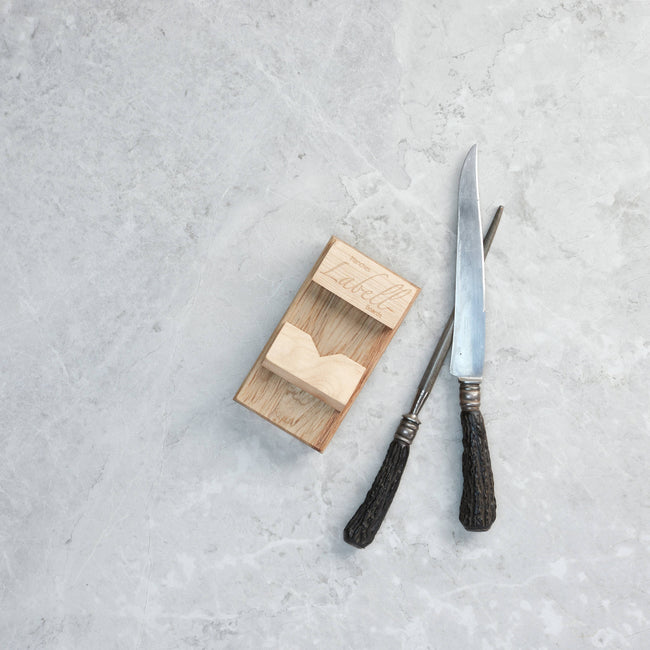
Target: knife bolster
x=407, y=428
x=470, y=395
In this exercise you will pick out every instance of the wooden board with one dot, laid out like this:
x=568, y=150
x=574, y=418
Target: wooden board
x=336, y=326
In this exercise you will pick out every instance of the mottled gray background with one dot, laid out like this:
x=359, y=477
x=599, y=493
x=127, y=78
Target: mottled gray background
x=170, y=172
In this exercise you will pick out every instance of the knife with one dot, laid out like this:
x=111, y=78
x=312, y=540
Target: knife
x=365, y=523
x=478, y=506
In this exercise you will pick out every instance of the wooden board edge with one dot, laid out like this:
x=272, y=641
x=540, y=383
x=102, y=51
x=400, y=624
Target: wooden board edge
x=320, y=450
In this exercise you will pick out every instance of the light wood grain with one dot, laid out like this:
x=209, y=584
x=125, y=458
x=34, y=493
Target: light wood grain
x=294, y=357
x=336, y=327
x=364, y=283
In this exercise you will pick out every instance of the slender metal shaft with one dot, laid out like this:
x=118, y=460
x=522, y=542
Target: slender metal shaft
x=444, y=343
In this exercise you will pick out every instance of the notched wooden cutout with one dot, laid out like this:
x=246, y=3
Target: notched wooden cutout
x=332, y=378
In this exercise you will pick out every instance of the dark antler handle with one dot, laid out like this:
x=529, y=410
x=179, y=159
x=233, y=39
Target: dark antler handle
x=365, y=523
x=478, y=506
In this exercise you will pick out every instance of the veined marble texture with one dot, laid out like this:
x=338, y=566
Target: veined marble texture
x=170, y=173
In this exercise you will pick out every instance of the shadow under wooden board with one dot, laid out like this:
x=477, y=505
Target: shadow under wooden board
x=350, y=306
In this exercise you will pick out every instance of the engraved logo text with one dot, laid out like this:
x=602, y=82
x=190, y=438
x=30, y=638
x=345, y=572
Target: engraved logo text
x=366, y=286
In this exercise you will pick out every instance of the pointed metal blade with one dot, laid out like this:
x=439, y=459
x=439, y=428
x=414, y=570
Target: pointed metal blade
x=468, y=347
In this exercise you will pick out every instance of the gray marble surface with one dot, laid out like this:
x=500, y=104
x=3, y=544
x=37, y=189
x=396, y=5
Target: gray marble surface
x=170, y=172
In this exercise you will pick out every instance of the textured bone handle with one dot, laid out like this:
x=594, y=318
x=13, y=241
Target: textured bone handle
x=365, y=523
x=478, y=506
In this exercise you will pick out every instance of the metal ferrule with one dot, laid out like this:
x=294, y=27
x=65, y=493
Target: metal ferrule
x=470, y=395
x=407, y=428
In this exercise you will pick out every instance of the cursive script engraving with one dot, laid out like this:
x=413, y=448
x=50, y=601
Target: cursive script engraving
x=377, y=300
x=362, y=282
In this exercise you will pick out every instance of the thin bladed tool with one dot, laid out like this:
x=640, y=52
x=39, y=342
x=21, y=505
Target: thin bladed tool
x=478, y=505
x=364, y=525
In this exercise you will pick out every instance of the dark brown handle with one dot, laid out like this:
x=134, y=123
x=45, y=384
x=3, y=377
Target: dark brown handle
x=478, y=506
x=365, y=523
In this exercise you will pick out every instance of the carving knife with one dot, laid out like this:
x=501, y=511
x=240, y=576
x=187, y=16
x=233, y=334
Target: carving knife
x=478, y=506
x=365, y=523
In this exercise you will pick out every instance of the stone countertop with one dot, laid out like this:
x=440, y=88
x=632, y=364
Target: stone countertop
x=170, y=172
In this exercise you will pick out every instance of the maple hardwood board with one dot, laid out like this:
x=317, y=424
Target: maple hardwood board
x=336, y=327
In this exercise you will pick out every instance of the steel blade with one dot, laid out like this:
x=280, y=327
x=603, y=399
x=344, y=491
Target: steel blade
x=468, y=347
